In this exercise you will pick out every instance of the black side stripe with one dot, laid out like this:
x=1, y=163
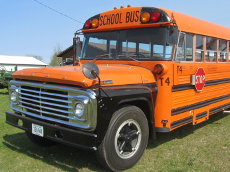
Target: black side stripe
x=201, y=115
x=198, y=105
x=183, y=87
x=181, y=122
x=219, y=108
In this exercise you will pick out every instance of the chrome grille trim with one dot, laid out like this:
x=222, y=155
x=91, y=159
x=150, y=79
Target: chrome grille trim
x=42, y=92
x=43, y=102
x=58, y=100
x=53, y=120
x=45, y=112
x=55, y=103
x=42, y=107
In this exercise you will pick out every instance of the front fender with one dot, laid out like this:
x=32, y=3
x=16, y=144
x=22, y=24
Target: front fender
x=142, y=96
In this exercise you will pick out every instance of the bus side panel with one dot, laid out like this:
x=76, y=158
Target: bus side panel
x=214, y=97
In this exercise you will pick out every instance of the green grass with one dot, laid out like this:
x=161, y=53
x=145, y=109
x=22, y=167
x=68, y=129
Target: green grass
x=205, y=147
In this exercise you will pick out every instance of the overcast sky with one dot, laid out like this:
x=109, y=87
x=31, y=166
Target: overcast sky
x=28, y=28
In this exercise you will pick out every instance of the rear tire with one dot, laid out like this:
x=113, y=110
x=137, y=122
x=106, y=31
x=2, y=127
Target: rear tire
x=125, y=140
x=41, y=141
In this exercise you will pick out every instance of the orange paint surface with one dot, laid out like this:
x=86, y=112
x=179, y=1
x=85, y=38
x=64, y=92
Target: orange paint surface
x=184, y=22
x=73, y=75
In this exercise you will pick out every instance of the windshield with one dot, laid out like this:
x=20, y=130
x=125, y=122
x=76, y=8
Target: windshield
x=136, y=44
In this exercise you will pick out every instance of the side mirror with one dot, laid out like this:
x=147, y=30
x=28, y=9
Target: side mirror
x=76, y=48
x=90, y=70
x=173, y=35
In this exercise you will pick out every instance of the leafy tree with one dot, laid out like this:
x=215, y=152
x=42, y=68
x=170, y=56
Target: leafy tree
x=56, y=61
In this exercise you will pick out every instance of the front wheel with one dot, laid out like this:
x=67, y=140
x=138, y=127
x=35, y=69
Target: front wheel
x=125, y=140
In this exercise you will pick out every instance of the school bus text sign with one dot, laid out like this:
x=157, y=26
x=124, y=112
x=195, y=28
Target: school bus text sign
x=125, y=17
x=199, y=79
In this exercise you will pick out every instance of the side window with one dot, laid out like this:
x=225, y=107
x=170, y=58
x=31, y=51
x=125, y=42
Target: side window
x=222, y=51
x=185, y=47
x=189, y=47
x=211, y=49
x=181, y=48
x=228, y=51
x=199, y=48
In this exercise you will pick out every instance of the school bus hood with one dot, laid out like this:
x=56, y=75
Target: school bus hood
x=110, y=74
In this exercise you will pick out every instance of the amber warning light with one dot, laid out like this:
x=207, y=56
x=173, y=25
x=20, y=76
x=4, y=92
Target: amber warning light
x=154, y=16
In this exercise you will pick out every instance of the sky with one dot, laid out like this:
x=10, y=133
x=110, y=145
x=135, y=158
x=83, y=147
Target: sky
x=29, y=28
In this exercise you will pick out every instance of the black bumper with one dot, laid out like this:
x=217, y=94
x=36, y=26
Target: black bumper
x=76, y=138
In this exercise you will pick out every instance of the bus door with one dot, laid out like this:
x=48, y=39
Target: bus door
x=182, y=90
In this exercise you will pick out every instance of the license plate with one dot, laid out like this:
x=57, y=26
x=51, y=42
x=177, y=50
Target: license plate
x=37, y=130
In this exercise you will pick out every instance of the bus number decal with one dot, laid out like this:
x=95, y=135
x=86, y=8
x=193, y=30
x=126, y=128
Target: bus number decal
x=167, y=81
x=179, y=69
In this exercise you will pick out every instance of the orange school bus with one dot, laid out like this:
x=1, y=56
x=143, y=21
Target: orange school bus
x=142, y=70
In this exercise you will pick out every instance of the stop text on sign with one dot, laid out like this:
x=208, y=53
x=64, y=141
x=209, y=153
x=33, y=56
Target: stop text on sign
x=199, y=79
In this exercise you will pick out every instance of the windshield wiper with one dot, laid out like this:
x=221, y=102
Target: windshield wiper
x=101, y=56
x=130, y=57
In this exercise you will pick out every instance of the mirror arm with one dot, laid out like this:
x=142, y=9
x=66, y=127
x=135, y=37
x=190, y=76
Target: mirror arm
x=99, y=83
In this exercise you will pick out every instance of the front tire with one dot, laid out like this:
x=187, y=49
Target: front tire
x=125, y=139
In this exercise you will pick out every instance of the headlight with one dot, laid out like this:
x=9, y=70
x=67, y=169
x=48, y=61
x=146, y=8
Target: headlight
x=13, y=95
x=79, y=110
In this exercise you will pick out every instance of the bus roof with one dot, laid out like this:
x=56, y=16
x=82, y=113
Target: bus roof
x=127, y=18
x=194, y=25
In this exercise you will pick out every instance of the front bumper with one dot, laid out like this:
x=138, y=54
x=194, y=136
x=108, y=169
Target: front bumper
x=72, y=137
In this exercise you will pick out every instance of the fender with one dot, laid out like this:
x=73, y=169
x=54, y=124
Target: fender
x=142, y=96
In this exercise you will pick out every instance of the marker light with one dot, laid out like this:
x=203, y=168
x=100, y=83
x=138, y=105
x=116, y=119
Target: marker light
x=95, y=23
x=145, y=17
x=160, y=69
x=88, y=24
x=155, y=16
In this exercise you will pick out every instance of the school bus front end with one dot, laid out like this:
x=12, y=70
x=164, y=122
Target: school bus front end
x=126, y=85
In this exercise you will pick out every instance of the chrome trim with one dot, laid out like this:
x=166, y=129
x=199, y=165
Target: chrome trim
x=42, y=107
x=52, y=119
x=42, y=92
x=63, y=101
x=55, y=103
x=43, y=102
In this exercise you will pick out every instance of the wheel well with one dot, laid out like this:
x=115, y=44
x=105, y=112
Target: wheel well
x=145, y=107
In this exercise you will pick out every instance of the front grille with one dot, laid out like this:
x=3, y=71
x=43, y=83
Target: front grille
x=45, y=102
x=54, y=103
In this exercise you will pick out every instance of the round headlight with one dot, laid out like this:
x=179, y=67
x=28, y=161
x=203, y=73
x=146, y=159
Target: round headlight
x=13, y=96
x=79, y=110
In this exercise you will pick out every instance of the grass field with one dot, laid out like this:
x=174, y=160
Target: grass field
x=205, y=147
